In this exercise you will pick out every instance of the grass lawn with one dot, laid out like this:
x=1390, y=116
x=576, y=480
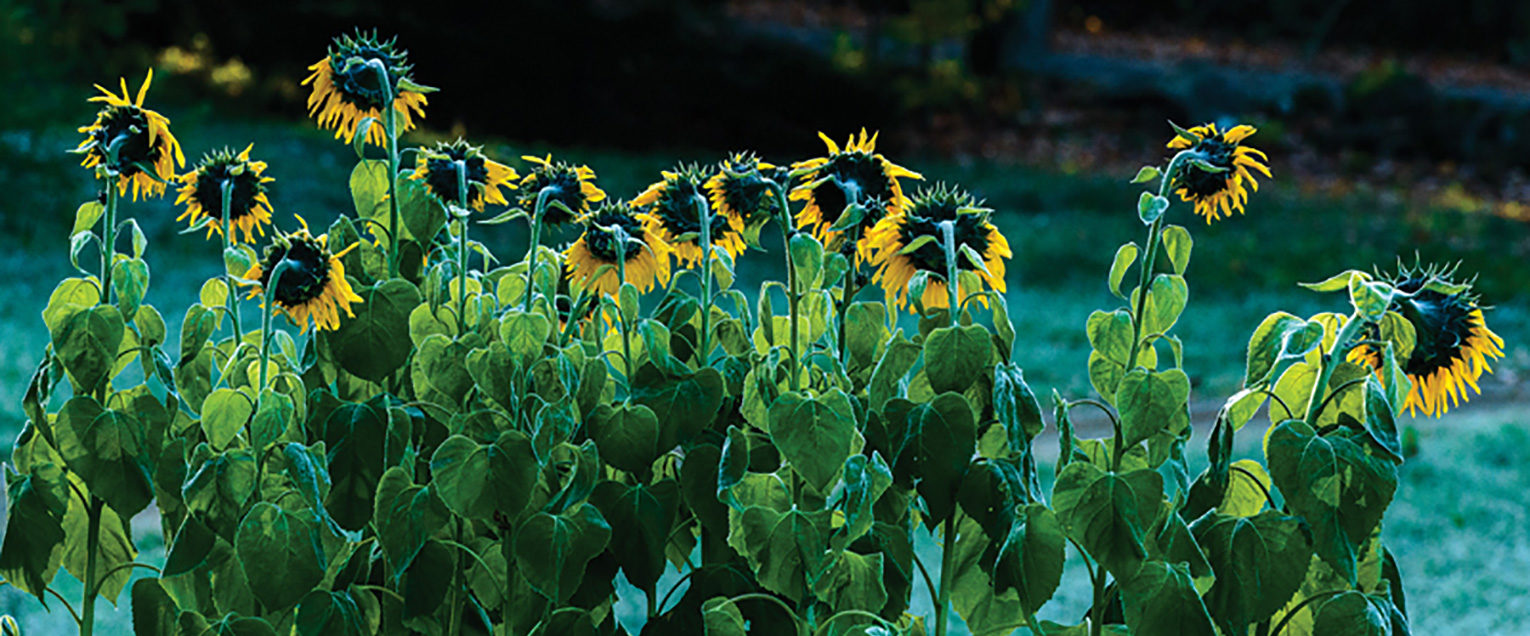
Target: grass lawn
x=1456, y=524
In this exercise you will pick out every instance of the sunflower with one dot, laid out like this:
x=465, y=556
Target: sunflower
x=1452, y=342
x=886, y=242
x=1218, y=193
x=313, y=283
x=858, y=168
x=573, y=186
x=132, y=141
x=674, y=214
x=437, y=167
x=600, y=245
x=740, y=189
x=202, y=192
x=346, y=88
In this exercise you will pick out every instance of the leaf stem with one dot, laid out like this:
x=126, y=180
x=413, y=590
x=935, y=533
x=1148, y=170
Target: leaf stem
x=797, y=620
x=1329, y=361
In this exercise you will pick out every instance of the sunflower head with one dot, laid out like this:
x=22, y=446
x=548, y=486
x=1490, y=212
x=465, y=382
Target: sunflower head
x=312, y=283
x=568, y=184
x=615, y=238
x=855, y=172
x=131, y=142
x=202, y=191
x=674, y=207
x=886, y=243
x=1221, y=192
x=741, y=189
x=438, y=168
x=1452, y=342
x=348, y=87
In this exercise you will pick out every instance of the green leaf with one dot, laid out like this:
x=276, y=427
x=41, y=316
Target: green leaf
x=1259, y=562
x=154, y=612
x=628, y=435
x=569, y=621
x=786, y=550
x=1151, y=206
x=87, y=343
x=1159, y=598
x=865, y=331
x=1125, y=256
x=86, y=216
x=972, y=589
x=720, y=617
x=1340, y=488
x=1030, y=561
x=1109, y=513
x=109, y=451
x=439, y=371
x=224, y=414
x=640, y=517
x=865, y=479
x=130, y=279
x=1111, y=335
x=367, y=346
x=936, y=443
x=957, y=357
x=355, y=435
x=423, y=322
x=853, y=582
x=1164, y=303
x=325, y=613
x=477, y=481
x=281, y=555
x=1177, y=244
x=1151, y=402
x=34, y=531
x=684, y=404
x=369, y=188
x=1337, y=281
x=114, y=547
x=1280, y=341
x=807, y=258
x=406, y=516
x=524, y=334
x=1146, y=174
x=1351, y=612
x=1370, y=298
x=552, y=550
x=813, y=434
x=218, y=488
x=1248, y=486
x=1016, y=407
x=886, y=378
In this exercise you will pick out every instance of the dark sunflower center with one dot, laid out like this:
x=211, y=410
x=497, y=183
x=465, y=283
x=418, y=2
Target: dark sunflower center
x=306, y=274
x=359, y=84
x=679, y=209
x=603, y=245
x=127, y=127
x=441, y=176
x=747, y=196
x=209, y=192
x=1204, y=184
x=1442, y=325
x=931, y=257
x=859, y=169
x=565, y=189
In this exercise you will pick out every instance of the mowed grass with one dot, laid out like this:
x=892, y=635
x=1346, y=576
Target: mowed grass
x=1456, y=520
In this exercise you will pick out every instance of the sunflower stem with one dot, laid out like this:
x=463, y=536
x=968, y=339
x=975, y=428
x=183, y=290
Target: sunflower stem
x=953, y=289
x=227, y=190
x=536, y=241
x=947, y=575
x=462, y=245
x=92, y=585
x=621, y=276
x=1331, y=360
x=704, y=212
x=108, y=243
x=791, y=280
x=390, y=130
x=267, y=312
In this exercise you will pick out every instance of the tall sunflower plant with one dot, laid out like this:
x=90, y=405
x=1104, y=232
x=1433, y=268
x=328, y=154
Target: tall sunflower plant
x=415, y=437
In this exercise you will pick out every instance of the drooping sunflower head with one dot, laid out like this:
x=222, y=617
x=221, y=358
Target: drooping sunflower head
x=443, y=167
x=856, y=173
x=312, y=282
x=675, y=205
x=1218, y=193
x=1452, y=342
x=133, y=143
x=568, y=184
x=202, y=191
x=887, y=241
x=348, y=86
x=616, y=237
x=740, y=188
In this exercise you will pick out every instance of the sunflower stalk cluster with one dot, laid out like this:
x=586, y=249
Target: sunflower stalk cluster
x=428, y=446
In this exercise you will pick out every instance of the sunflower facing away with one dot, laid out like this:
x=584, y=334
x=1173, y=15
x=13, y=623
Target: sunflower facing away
x=1452, y=342
x=857, y=166
x=129, y=139
x=886, y=241
x=739, y=189
x=599, y=245
x=1219, y=193
x=312, y=285
x=437, y=167
x=202, y=192
x=573, y=186
x=347, y=89
x=674, y=211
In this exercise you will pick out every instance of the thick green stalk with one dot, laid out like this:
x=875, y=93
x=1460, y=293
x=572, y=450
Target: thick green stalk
x=390, y=130
x=92, y=585
x=536, y=241
x=265, y=327
x=1097, y=611
x=947, y=575
x=621, y=275
x=704, y=212
x=228, y=243
x=462, y=246
x=792, y=283
x=953, y=288
x=1330, y=361
x=108, y=243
